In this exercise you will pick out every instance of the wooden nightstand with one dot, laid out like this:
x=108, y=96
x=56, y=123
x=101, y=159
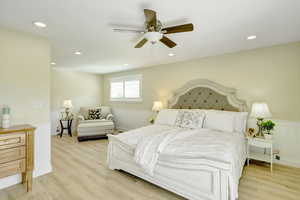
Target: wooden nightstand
x=260, y=143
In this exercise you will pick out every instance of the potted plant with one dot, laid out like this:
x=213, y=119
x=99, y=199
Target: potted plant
x=267, y=127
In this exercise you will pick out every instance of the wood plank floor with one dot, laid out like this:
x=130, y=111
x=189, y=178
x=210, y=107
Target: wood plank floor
x=80, y=172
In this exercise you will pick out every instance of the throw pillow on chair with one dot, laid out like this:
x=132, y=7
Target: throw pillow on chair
x=94, y=114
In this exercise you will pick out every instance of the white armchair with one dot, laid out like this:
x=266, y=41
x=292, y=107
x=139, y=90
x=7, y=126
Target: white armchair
x=94, y=128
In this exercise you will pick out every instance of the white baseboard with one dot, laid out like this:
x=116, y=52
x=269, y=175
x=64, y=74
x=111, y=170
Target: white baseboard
x=10, y=180
x=42, y=171
x=16, y=179
x=290, y=163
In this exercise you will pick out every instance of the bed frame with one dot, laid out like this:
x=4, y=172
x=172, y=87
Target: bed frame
x=199, y=179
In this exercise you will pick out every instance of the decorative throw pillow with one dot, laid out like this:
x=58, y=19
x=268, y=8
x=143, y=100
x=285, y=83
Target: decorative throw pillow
x=179, y=118
x=94, y=114
x=192, y=119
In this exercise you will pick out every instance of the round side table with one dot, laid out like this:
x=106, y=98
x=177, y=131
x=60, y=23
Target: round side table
x=67, y=127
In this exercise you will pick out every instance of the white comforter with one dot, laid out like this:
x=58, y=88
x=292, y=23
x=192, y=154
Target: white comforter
x=154, y=141
x=149, y=147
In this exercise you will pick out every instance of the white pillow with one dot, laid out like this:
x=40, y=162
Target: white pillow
x=191, y=118
x=166, y=117
x=219, y=121
x=240, y=119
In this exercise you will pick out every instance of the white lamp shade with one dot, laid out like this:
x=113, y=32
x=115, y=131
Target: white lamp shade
x=68, y=104
x=260, y=110
x=157, y=106
x=153, y=36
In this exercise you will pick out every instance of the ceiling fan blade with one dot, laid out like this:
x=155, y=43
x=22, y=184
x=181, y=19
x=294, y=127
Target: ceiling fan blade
x=168, y=42
x=141, y=43
x=127, y=30
x=178, y=29
x=150, y=17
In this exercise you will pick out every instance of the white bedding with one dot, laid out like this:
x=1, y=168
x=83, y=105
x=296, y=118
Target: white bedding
x=214, y=145
x=132, y=137
x=152, y=143
x=149, y=148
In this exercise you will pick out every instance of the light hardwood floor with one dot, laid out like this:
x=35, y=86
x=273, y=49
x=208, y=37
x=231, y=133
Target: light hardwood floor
x=80, y=172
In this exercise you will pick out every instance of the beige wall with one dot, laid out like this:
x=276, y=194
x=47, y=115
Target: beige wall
x=84, y=89
x=268, y=74
x=25, y=87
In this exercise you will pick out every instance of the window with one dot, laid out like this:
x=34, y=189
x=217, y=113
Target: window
x=116, y=90
x=127, y=88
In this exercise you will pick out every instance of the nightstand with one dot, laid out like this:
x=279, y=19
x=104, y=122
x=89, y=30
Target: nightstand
x=260, y=143
x=67, y=127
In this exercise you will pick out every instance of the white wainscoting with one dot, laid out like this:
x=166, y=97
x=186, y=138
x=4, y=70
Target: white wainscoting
x=42, y=155
x=286, y=134
x=127, y=119
x=55, y=115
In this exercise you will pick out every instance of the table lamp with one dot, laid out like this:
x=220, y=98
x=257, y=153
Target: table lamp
x=157, y=106
x=67, y=105
x=260, y=111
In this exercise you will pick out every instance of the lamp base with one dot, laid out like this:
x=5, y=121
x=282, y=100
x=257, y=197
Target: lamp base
x=259, y=134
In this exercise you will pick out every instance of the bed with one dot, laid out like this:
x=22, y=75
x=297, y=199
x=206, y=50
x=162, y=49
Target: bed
x=197, y=163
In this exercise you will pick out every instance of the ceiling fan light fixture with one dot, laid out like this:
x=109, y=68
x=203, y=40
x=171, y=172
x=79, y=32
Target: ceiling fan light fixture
x=155, y=32
x=153, y=37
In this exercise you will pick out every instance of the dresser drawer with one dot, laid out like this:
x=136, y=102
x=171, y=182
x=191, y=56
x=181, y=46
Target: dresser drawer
x=12, y=140
x=11, y=154
x=11, y=168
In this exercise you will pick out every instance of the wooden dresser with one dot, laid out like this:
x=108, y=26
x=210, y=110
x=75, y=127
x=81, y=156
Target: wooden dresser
x=17, y=152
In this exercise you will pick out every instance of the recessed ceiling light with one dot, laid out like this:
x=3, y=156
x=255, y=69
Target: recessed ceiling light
x=126, y=64
x=78, y=53
x=251, y=37
x=171, y=54
x=53, y=63
x=40, y=24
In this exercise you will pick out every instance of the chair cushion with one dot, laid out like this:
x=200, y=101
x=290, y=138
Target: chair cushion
x=97, y=123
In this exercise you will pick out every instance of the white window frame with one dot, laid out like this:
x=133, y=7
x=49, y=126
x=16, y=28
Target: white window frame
x=123, y=79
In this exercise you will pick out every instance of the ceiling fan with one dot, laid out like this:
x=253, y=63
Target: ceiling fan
x=154, y=31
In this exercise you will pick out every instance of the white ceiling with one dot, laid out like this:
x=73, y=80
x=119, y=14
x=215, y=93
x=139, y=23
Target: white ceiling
x=86, y=25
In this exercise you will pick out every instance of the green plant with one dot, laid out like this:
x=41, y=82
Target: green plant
x=268, y=126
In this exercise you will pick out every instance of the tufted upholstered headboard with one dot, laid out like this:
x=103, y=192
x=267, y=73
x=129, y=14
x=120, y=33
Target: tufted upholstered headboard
x=206, y=94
